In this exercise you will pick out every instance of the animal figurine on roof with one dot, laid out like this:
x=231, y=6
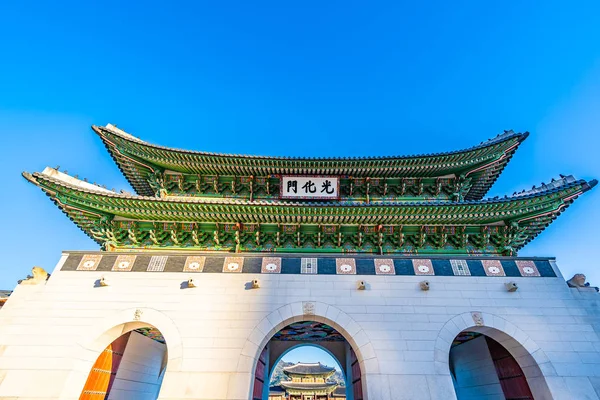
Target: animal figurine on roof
x=38, y=276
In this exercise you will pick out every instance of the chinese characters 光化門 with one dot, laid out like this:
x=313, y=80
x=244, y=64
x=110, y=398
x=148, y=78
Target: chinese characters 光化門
x=309, y=187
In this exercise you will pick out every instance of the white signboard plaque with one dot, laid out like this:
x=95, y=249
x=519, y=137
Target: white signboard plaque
x=310, y=187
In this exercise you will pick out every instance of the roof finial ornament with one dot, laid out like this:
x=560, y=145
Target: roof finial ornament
x=38, y=276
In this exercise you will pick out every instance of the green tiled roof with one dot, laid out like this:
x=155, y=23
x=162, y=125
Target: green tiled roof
x=481, y=164
x=495, y=226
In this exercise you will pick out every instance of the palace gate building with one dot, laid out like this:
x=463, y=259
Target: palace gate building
x=306, y=381
x=219, y=264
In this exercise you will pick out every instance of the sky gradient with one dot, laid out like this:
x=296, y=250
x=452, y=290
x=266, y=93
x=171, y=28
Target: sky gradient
x=310, y=79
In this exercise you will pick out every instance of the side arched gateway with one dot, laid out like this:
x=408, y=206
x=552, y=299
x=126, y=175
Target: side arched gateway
x=132, y=366
x=130, y=357
x=487, y=355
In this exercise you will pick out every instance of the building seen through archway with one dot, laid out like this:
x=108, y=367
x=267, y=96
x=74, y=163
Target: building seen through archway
x=130, y=367
x=308, y=380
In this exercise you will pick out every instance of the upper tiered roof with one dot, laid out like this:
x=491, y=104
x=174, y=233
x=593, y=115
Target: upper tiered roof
x=480, y=165
x=308, y=369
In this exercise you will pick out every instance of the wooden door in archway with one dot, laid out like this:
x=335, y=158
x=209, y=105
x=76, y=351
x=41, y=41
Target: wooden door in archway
x=104, y=370
x=356, y=376
x=260, y=376
x=512, y=379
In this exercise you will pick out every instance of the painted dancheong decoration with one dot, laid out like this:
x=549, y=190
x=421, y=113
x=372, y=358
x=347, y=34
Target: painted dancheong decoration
x=198, y=201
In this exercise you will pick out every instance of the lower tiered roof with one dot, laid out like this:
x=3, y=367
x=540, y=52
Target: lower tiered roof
x=125, y=221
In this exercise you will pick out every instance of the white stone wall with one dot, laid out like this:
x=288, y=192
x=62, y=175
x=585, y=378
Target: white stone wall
x=139, y=374
x=476, y=377
x=50, y=335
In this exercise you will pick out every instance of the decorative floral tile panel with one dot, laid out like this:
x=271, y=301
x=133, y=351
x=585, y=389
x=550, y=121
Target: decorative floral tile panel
x=233, y=264
x=493, y=268
x=89, y=262
x=124, y=263
x=194, y=264
x=528, y=268
x=271, y=265
x=423, y=267
x=384, y=266
x=345, y=266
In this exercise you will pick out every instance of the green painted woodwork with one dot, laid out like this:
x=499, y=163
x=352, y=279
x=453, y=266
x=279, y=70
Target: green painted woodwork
x=497, y=226
x=351, y=189
x=471, y=171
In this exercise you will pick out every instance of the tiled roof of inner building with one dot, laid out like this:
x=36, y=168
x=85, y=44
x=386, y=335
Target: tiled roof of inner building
x=309, y=369
x=306, y=385
x=276, y=390
x=339, y=391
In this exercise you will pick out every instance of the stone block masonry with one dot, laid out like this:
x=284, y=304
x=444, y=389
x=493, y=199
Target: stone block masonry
x=52, y=333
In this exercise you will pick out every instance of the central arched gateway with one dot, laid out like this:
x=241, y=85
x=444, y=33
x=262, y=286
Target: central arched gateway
x=256, y=352
x=302, y=333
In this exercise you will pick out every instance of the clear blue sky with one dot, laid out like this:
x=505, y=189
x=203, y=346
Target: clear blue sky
x=337, y=78
x=310, y=354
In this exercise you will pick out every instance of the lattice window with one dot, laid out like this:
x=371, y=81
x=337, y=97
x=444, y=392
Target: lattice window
x=460, y=267
x=157, y=264
x=309, y=266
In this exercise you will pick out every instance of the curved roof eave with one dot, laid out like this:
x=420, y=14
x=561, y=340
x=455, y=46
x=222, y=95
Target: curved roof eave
x=56, y=184
x=505, y=136
x=136, y=169
x=70, y=183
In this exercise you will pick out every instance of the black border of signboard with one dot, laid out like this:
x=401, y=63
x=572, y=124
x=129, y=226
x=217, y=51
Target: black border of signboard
x=337, y=177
